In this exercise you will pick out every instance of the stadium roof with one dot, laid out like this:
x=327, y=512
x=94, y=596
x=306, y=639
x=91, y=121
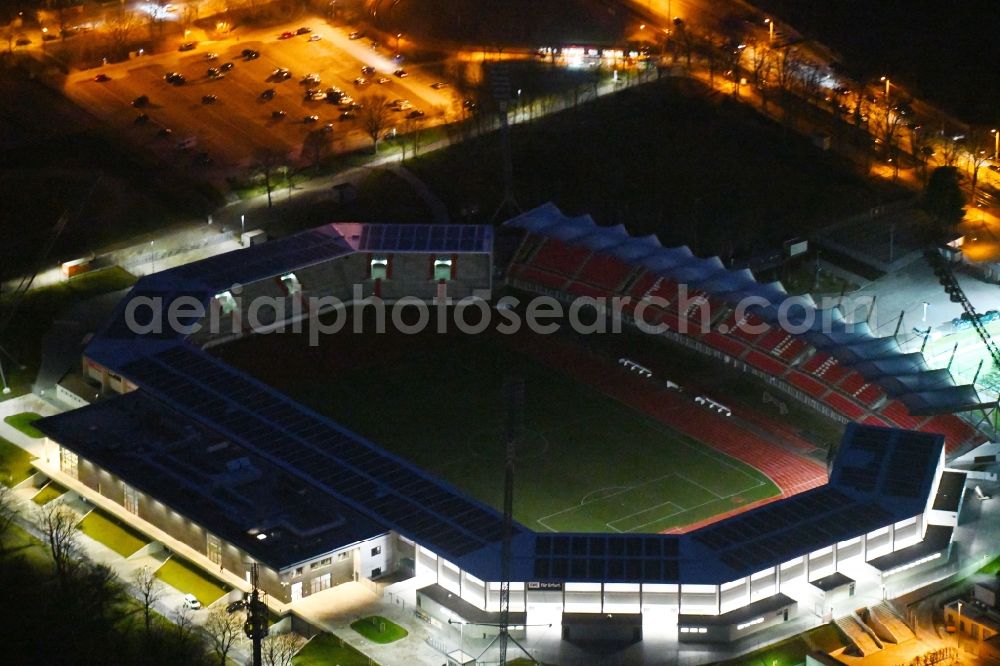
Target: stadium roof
x=880, y=475
x=877, y=359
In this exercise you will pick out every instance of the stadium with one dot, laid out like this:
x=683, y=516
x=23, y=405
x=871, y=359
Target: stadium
x=660, y=492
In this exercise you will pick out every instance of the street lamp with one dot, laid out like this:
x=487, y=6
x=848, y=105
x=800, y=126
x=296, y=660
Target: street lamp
x=770, y=29
x=996, y=144
x=924, y=319
x=243, y=228
x=398, y=35
x=886, y=79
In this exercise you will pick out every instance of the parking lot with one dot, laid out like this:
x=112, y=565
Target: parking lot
x=239, y=119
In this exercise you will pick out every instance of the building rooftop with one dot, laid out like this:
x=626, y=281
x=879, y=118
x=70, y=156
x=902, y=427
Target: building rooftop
x=832, y=581
x=227, y=489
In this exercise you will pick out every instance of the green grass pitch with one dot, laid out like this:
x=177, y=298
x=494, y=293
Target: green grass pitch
x=585, y=462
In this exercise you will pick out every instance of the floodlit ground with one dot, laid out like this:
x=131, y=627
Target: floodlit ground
x=326, y=649
x=794, y=650
x=379, y=629
x=50, y=492
x=113, y=534
x=187, y=579
x=15, y=463
x=240, y=119
x=585, y=462
x=23, y=423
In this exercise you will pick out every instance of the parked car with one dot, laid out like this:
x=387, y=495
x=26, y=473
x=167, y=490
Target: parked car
x=211, y=55
x=382, y=79
x=188, y=46
x=286, y=35
x=303, y=31
x=226, y=66
x=416, y=113
x=268, y=94
x=278, y=115
x=208, y=99
x=347, y=115
x=250, y=54
x=102, y=78
x=314, y=38
x=356, y=35
x=401, y=73
x=141, y=119
x=310, y=119
x=164, y=132
x=328, y=127
x=140, y=101
x=174, y=78
x=368, y=70
x=191, y=601
x=360, y=81
x=281, y=74
x=310, y=79
x=439, y=85
x=315, y=96
x=214, y=72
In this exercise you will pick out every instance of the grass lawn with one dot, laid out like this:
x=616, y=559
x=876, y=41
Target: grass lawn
x=190, y=580
x=992, y=567
x=23, y=423
x=793, y=650
x=15, y=463
x=112, y=533
x=17, y=542
x=379, y=629
x=48, y=493
x=326, y=649
x=585, y=463
x=39, y=309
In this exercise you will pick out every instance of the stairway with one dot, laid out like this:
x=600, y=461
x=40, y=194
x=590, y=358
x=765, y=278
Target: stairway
x=860, y=639
x=887, y=625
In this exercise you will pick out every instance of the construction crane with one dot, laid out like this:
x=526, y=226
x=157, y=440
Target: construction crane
x=942, y=270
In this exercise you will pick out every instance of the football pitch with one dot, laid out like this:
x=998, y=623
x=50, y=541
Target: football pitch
x=584, y=462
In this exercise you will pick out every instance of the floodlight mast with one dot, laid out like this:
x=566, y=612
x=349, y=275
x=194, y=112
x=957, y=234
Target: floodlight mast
x=942, y=270
x=256, y=624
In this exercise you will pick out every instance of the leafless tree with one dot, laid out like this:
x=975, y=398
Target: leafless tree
x=810, y=78
x=411, y=132
x=317, y=145
x=786, y=63
x=682, y=39
x=150, y=591
x=223, y=631
x=375, y=118
x=58, y=525
x=279, y=649
x=978, y=145
x=121, y=23
x=183, y=623
x=9, y=32
x=7, y=514
x=266, y=164
x=949, y=148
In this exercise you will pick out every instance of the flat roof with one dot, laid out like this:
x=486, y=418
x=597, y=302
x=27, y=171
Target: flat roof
x=464, y=609
x=212, y=480
x=740, y=615
x=832, y=582
x=936, y=538
x=951, y=488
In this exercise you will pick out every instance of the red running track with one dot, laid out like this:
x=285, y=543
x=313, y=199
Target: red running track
x=791, y=473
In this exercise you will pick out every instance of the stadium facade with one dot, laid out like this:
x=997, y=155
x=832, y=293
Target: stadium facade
x=242, y=474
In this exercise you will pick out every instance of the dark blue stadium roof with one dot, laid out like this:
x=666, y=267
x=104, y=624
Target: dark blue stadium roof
x=880, y=476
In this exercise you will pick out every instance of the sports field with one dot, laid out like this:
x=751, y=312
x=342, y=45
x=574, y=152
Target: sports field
x=585, y=462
